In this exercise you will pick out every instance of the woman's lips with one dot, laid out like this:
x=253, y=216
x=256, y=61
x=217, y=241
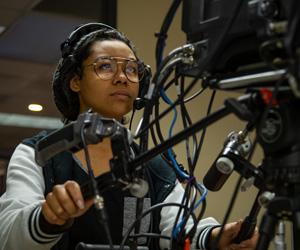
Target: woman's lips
x=121, y=94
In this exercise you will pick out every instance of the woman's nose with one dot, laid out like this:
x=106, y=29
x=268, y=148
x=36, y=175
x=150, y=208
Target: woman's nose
x=121, y=75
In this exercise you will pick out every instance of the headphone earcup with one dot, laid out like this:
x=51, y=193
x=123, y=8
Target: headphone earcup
x=145, y=82
x=67, y=64
x=140, y=101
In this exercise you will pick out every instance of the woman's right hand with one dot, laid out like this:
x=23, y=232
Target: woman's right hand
x=65, y=202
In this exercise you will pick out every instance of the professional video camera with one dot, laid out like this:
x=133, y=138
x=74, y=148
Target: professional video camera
x=241, y=38
x=253, y=46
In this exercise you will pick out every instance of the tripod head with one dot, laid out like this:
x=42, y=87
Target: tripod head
x=280, y=140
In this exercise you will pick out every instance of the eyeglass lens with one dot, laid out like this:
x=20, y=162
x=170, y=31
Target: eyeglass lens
x=107, y=68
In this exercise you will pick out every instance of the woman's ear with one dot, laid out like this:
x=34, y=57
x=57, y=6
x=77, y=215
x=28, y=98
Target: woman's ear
x=75, y=83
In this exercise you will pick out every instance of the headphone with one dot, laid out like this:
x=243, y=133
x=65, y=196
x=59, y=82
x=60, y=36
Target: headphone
x=67, y=49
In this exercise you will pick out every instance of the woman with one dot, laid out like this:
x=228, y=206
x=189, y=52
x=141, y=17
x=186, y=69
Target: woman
x=43, y=208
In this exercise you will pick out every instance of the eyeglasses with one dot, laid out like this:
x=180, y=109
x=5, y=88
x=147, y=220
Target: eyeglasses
x=106, y=68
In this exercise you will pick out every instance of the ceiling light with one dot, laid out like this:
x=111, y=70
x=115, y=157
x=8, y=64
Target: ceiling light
x=35, y=107
x=2, y=29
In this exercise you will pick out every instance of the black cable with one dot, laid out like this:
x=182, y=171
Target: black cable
x=142, y=148
x=176, y=221
x=180, y=239
x=167, y=73
x=165, y=62
x=263, y=52
x=168, y=85
x=165, y=112
x=235, y=193
x=204, y=130
x=210, y=58
x=165, y=155
x=157, y=206
x=186, y=208
x=292, y=39
x=164, y=76
x=187, y=120
x=101, y=212
x=162, y=35
x=200, y=216
x=149, y=235
x=131, y=119
x=206, y=61
x=148, y=110
x=179, y=243
x=157, y=125
x=214, y=53
x=187, y=202
x=88, y=162
x=186, y=213
x=182, y=236
x=153, y=136
x=194, y=95
x=139, y=211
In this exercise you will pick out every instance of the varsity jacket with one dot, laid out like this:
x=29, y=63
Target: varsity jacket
x=28, y=185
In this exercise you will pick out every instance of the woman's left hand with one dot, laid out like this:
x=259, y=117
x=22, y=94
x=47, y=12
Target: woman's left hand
x=230, y=231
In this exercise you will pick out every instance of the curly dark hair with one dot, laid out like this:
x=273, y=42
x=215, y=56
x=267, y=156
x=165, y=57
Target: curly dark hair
x=65, y=99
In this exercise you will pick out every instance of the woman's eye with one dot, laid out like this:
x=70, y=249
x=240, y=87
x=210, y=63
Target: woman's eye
x=104, y=66
x=131, y=69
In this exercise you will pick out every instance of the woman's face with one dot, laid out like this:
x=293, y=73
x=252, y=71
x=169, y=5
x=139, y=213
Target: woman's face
x=110, y=98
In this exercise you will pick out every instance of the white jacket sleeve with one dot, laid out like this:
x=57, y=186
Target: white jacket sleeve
x=169, y=213
x=20, y=205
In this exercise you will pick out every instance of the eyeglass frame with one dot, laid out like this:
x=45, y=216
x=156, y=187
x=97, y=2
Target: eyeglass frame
x=139, y=63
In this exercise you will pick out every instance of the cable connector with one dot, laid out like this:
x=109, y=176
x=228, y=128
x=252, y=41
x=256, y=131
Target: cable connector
x=188, y=49
x=98, y=202
x=101, y=211
x=188, y=60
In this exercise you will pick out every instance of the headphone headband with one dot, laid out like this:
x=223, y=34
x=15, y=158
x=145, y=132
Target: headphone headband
x=78, y=33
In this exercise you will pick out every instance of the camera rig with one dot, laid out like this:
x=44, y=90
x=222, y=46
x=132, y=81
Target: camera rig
x=249, y=46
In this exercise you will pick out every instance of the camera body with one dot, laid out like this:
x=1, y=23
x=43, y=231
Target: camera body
x=237, y=29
